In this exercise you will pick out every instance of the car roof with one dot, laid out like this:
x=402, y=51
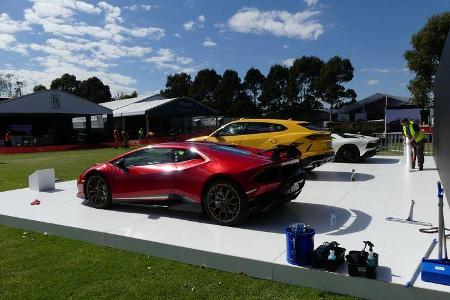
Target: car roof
x=184, y=144
x=277, y=121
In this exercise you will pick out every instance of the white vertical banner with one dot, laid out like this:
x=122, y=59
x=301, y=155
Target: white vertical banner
x=407, y=154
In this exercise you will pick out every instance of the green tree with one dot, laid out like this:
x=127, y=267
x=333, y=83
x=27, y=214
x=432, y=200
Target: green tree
x=274, y=94
x=67, y=83
x=11, y=85
x=329, y=84
x=123, y=95
x=39, y=87
x=177, y=85
x=423, y=59
x=227, y=92
x=204, y=85
x=253, y=83
x=94, y=90
x=301, y=89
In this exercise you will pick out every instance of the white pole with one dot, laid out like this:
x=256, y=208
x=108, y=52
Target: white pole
x=407, y=154
x=385, y=123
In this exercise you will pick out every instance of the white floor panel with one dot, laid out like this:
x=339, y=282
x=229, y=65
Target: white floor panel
x=382, y=188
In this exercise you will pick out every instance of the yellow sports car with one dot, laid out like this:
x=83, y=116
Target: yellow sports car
x=314, y=144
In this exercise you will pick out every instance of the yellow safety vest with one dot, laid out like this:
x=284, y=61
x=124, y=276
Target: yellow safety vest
x=413, y=133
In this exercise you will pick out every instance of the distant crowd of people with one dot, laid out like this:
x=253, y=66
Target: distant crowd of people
x=121, y=138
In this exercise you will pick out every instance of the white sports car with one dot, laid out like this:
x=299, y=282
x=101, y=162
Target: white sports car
x=353, y=147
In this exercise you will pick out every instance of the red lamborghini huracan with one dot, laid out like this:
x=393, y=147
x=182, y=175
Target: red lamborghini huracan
x=228, y=181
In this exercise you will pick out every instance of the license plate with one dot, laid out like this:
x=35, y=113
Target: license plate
x=362, y=269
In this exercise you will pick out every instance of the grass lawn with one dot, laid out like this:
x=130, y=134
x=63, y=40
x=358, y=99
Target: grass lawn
x=68, y=165
x=33, y=265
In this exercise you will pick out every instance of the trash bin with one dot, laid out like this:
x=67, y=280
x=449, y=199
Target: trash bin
x=299, y=244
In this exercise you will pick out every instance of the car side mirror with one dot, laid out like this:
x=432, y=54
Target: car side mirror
x=121, y=165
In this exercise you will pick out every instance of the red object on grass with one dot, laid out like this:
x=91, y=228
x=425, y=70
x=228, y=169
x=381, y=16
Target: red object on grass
x=35, y=202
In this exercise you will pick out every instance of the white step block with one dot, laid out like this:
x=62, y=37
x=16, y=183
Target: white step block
x=42, y=180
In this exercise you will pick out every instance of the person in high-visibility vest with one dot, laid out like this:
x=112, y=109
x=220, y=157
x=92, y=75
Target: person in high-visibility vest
x=412, y=131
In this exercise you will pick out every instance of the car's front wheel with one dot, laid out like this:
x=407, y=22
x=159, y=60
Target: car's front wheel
x=225, y=203
x=98, y=192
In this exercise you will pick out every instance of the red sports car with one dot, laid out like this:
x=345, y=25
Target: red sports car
x=228, y=181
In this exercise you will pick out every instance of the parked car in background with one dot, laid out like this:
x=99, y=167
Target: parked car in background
x=354, y=147
x=227, y=181
x=313, y=143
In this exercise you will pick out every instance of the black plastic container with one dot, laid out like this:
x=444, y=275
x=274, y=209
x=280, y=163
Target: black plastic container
x=357, y=264
x=320, y=257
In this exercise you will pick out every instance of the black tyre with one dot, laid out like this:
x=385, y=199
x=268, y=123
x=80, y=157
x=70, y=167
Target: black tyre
x=348, y=153
x=98, y=192
x=225, y=203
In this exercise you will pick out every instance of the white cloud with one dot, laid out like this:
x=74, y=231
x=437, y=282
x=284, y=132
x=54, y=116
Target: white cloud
x=300, y=25
x=285, y=46
x=78, y=47
x=209, y=43
x=288, y=62
x=373, y=82
x=8, y=43
x=201, y=19
x=56, y=17
x=384, y=70
x=10, y=26
x=132, y=7
x=135, y=7
x=146, y=7
x=166, y=59
x=311, y=2
x=189, y=25
x=177, y=35
x=6, y=40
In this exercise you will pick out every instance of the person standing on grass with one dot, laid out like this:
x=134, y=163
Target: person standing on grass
x=141, y=134
x=125, y=139
x=412, y=131
x=8, y=139
x=116, y=134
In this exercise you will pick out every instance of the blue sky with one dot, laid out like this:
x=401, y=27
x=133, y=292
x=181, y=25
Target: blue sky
x=136, y=44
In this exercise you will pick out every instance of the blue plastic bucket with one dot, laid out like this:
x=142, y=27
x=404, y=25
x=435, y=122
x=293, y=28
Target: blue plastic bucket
x=299, y=246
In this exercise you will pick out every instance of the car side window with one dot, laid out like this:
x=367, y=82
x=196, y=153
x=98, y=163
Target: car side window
x=181, y=155
x=257, y=127
x=232, y=129
x=150, y=156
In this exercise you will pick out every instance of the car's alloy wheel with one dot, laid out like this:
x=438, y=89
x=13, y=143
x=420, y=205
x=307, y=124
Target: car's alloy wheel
x=225, y=203
x=97, y=192
x=349, y=154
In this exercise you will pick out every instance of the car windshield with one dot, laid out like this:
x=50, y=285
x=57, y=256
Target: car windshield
x=310, y=126
x=231, y=149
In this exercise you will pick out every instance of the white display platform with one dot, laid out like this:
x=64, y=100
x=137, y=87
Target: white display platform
x=383, y=188
x=42, y=180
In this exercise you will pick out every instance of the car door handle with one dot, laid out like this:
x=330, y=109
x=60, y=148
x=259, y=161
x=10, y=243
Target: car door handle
x=273, y=141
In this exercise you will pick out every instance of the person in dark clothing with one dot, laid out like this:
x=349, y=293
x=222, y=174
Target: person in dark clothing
x=8, y=139
x=116, y=135
x=412, y=131
x=125, y=139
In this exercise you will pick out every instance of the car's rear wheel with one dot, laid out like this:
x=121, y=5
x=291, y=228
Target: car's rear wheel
x=225, y=203
x=348, y=153
x=98, y=192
